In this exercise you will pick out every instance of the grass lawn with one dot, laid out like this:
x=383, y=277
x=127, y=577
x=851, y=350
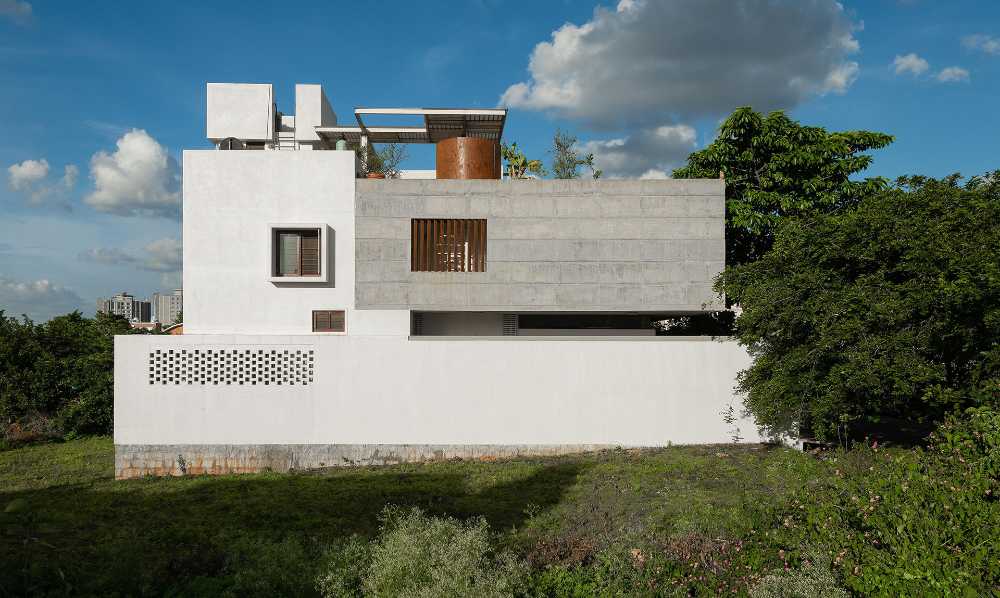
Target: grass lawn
x=73, y=527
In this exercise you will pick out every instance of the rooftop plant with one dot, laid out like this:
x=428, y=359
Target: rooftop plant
x=518, y=165
x=384, y=162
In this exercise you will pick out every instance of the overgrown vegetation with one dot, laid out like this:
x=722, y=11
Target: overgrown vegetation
x=420, y=556
x=889, y=310
x=56, y=378
x=918, y=522
x=276, y=532
x=676, y=521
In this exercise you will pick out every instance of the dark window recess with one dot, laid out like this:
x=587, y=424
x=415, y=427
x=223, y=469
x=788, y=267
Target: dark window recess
x=447, y=245
x=297, y=252
x=329, y=321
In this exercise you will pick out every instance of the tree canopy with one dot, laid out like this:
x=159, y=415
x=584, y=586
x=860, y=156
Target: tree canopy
x=890, y=308
x=775, y=167
x=57, y=378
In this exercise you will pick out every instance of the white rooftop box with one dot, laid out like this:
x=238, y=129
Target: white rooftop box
x=312, y=110
x=241, y=110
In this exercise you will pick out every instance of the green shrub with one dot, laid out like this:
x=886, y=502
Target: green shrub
x=344, y=569
x=890, y=309
x=917, y=522
x=814, y=579
x=420, y=556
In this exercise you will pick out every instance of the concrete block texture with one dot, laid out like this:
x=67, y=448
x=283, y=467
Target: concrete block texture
x=574, y=245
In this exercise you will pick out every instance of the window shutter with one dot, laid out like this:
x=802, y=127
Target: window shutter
x=447, y=245
x=337, y=321
x=321, y=320
x=310, y=253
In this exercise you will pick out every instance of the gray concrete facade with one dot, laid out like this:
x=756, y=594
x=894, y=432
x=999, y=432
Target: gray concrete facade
x=552, y=245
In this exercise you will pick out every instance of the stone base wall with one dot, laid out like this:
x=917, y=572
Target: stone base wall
x=137, y=460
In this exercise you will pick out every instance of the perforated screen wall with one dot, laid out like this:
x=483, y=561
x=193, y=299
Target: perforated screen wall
x=246, y=366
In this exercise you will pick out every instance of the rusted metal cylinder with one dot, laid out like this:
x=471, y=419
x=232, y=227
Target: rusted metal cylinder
x=468, y=158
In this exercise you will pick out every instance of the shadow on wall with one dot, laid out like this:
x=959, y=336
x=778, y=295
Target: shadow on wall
x=130, y=536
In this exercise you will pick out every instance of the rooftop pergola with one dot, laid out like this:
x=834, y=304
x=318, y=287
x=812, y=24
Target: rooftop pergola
x=439, y=123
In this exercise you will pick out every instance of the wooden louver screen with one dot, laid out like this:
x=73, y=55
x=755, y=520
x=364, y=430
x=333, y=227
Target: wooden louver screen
x=298, y=253
x=447, y=245
x=329, y=321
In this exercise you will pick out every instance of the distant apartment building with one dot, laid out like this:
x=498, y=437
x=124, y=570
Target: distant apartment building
x=125, y=305
x=167, y=307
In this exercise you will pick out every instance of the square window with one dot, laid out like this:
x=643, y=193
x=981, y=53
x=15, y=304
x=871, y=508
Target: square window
x=297, y=253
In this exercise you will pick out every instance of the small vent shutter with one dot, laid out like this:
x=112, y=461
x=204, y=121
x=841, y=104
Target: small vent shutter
x=418, y=324
x=510, y=324
x=329, y=321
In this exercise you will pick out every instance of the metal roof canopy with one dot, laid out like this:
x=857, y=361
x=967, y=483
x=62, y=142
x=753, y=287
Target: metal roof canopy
x=439, y=123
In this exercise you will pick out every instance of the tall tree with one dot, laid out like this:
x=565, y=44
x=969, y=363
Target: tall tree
x=566, y=160
x=775, y=167
x=888, y=309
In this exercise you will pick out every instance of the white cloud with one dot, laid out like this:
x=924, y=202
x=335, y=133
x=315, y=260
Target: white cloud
x=70, y=174
x=16, y=10
x=653, y=173
x=139, y=179
x=655, y=62
x=953, y=74
x=31, y=177
x=171, y=280
x=162, y=255
x=39, y=300
x=26, y=174
x=910, y=63
x=983, y=43
x=644, y=152
x=109, y=256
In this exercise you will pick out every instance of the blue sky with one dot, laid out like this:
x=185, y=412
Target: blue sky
x=88, y=206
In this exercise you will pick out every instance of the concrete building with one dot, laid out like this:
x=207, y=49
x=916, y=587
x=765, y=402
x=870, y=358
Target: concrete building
x=334, y=318
x=123, y=304
x=167, y=307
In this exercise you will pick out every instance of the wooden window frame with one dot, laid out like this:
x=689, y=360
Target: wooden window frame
x=448, y=245
x=332, y=316
x=323, y=267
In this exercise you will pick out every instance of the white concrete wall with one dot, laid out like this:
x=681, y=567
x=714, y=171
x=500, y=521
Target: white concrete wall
x=390, y=390
x=312, y=109
x=241, y=110
x=230, y=198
